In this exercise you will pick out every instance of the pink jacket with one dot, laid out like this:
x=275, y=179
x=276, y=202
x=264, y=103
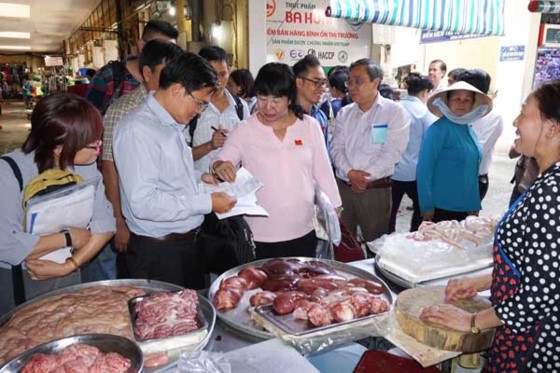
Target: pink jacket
x=288, y=169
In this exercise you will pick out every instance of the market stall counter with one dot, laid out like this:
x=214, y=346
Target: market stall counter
x=228, y=341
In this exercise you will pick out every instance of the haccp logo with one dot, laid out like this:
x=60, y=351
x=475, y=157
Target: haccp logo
x=270, y=8
x=342, y=56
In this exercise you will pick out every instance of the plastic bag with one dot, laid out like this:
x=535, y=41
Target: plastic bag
x=326, y=216
x=203, y=362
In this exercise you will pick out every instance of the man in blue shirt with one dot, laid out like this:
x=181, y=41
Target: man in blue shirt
x=311, y=83
x=160, y=198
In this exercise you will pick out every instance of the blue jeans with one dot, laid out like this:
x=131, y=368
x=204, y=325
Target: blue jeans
x=102, y=267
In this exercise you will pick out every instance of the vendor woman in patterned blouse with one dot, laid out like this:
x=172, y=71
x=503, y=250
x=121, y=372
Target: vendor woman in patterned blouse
x=525, y=282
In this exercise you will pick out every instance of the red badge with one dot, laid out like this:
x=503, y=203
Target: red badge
x=298, y=142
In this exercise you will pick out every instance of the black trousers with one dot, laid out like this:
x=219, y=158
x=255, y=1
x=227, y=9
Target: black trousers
x=441, y=215
x=399, y=189
x=302, y=246
x=483, y=184
x=177, y=262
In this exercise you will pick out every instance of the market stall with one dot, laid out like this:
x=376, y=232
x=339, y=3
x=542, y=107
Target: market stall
x=242, y=329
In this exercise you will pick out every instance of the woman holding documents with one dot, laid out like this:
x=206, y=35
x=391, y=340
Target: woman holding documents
x=525, y=291
x=285, y=150
x=65, y=135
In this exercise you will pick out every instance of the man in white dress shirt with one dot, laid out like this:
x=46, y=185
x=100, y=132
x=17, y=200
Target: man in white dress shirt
x=222, y=115
x=488, y=129
x=369, y=138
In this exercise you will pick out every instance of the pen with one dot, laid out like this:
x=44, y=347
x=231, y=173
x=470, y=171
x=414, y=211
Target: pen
x=215, y=129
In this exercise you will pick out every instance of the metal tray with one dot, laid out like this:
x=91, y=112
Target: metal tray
x=296, y=327
x=104, y=342
x=397, y=280
x=149, y=286
x=239, y=317
x=200, y=319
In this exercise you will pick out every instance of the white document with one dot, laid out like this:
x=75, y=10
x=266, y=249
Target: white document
x=243, y=189
x=244, y=184
x=54, y=212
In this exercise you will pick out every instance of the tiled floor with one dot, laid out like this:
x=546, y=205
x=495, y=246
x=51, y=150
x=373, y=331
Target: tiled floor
x=15, y=125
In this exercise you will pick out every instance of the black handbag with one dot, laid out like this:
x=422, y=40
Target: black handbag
x=225, y=243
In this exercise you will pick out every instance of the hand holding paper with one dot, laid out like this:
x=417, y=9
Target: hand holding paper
x=243, y=189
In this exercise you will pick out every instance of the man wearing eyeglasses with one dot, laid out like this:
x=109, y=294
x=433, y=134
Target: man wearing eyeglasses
x=220, y=117
x=155, y=55
x=160, y=197
x=311, y=84
x=369, y=138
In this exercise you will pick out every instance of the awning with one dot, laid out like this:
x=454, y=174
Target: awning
x=544, y=6
x=481, y=17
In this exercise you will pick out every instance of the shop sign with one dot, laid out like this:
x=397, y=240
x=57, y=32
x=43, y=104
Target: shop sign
x=427, y=37
x=54, y=61
x=512, y=53
x=297, y=28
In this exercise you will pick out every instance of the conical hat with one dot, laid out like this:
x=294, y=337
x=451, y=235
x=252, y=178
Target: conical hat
x=480, y=98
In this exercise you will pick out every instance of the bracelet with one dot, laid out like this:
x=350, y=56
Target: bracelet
x=73, y=261
x=68, y=238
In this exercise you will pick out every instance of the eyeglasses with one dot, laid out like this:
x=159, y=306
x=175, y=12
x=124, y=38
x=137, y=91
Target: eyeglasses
x=317, y=83
x=356, y=82
x=201, y=105
x=274, y=101
x=95, y=146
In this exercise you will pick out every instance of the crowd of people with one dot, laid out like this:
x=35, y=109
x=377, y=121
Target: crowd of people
x=173, y=120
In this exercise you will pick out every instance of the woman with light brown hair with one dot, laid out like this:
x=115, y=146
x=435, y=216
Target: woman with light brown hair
x=65, y=135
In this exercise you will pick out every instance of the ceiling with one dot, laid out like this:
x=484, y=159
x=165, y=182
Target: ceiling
x=50, y=22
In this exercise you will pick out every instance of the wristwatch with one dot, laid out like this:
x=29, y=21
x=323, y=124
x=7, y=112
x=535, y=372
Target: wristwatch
x=474, y=328
x=68, y=238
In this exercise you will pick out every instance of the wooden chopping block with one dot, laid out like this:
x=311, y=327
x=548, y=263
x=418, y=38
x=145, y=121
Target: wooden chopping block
x=409, y=306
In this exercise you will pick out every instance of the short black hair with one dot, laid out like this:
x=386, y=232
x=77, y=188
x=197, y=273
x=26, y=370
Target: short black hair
x=278, y=79
x=416, y=83
x=301, y=68
x=90, y=73
x=478, y=78
x=442, y=65
x=387, y=91
x=374, y=70
x=244, y=79
x=156, y=52
x=547, y=96
x=213, y=53
x=157, y=26
x=454, y=74
x=190, y=70
x=338, y=79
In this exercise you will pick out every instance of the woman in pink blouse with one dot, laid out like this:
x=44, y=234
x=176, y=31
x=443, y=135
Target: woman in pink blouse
x=285, y=150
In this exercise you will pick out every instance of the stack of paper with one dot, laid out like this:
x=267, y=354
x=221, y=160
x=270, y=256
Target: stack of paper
x=243, y=189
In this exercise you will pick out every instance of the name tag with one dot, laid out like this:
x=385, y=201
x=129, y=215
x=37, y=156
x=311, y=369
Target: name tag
x=378, y=134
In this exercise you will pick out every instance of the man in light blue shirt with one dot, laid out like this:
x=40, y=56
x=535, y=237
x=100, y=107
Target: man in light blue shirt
x=159, y=186
x=404, y=177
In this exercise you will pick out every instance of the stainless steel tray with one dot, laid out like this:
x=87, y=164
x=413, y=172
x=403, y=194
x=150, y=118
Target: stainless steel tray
x=239, y=317
x=201, y=320
x=104, y=342
x=397, y=280
x=149, y=286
